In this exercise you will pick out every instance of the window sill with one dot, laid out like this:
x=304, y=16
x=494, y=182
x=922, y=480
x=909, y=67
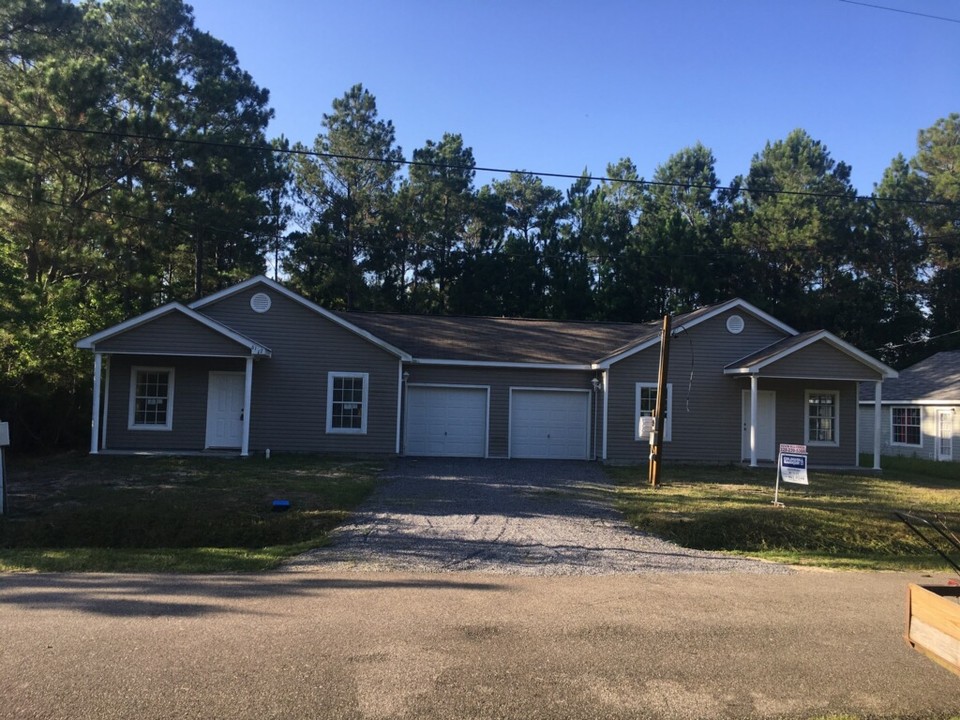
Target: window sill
x=151, y=428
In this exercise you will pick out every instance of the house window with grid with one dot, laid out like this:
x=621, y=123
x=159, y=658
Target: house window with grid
x=646, y=406
x=347, y=402
x=823, y=417
x=151, y=399
x=905, y=426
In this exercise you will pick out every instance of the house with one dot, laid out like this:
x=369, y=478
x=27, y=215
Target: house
x=917, y=409
x=257, y=367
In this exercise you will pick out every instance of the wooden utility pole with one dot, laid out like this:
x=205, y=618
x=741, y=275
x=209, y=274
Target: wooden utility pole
x=656, y=452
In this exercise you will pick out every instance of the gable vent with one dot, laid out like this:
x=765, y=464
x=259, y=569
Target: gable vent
x=260, y=302
x=735, y=324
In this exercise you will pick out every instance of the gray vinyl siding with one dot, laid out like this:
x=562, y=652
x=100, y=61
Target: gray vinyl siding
x=821, y=360
x=706, y=408
x=289, y=403
x=189, y=402
x=928, y=432
x=173, y=334
x=500, y=380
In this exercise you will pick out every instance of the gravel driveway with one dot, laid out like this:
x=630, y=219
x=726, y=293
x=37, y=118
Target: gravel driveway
x=510, y=517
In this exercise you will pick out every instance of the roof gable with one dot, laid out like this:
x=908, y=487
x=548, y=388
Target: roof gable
x=329, y=315
x=167, y=311
x=780, y=352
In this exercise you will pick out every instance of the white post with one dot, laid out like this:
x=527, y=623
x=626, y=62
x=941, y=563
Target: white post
x=95, y=426
x=247, y=394
x=106, y=403
x=754, y=386
x=877, y=396
x=606, y=398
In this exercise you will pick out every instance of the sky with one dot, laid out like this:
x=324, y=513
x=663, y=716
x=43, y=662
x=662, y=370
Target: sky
x=561, y=86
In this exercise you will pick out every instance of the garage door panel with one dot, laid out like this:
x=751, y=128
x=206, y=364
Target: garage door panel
x=549, y=424
x=446, y=421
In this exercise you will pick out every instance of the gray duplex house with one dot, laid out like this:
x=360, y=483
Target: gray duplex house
x=257, y=367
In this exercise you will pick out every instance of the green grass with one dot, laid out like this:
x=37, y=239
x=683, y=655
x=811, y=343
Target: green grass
x=838, y=521
x=186, y=514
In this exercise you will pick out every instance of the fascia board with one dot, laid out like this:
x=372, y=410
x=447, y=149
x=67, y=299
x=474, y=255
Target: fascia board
x=498, y=364
x=286, y=292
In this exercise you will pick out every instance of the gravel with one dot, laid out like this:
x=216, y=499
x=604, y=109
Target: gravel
x=508, y=517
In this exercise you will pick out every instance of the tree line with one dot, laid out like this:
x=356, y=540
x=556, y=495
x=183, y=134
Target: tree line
x=135, y=169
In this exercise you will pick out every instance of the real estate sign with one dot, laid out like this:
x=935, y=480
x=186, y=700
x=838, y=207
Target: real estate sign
x=792, y=467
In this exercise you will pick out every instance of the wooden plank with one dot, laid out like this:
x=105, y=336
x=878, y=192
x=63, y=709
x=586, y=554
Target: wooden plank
x=933, y=624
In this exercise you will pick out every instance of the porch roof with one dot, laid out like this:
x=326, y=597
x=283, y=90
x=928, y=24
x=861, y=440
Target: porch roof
x=818, y=354
x=173, y=329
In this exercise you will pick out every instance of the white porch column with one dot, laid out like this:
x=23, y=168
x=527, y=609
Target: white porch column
x=247, y=394
x=606, y=398
x=877, y=396
x=95, y=425
x=754, y=386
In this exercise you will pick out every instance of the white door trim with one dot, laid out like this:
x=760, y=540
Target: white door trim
x=944, y=443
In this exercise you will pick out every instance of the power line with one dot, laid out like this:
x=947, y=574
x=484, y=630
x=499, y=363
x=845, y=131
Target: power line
x=899, y=10
x=916, y=342
x=474, y=168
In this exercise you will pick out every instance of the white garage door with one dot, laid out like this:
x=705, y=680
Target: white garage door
x=549, y=424
x=448, y=421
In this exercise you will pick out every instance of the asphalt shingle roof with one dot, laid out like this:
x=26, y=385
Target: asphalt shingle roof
x=936, y=378
x=492, y=339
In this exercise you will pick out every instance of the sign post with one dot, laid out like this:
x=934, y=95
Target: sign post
x=791, y=467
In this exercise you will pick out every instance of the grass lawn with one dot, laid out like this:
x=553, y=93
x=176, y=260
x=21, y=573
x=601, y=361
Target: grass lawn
x=179, y=514
x=837, y=521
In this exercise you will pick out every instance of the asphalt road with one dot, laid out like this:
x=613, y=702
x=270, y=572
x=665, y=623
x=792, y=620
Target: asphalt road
x=391, y=645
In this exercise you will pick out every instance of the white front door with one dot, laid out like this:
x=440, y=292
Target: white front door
x=225, y=410
x=766, y=425
x=945, y=435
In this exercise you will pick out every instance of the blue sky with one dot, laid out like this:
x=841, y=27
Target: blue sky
x=559, y=86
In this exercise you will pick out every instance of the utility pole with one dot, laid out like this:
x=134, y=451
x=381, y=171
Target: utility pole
x=656, y=452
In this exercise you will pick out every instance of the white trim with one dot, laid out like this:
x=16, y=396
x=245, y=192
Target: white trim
x=836, y=418
x=877, y=408
x=132, y=400
x=494, y=363
x=938, y=456
x=89, y=342
x=400, y=403
x=362, y=430
x=247, y=411
x=536, y=388
x=668, y=420
x=458, y=386
x=719, y=309
x=919, y=426
x=106, y=404
x=286, y=292
x=838, y=344
x=606, y=405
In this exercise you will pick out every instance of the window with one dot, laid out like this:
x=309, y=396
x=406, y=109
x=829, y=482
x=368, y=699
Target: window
x=646, y=407
x=822, y=417
x=151, y=399
x=905, y=426
x=347, y=402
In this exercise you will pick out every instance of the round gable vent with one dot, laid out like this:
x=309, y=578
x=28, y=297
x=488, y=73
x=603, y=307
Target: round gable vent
x=260, y=302
x=735, y=324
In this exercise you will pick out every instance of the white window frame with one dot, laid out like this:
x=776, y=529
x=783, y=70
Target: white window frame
x=362, y=430
x=919, y=426
x=132, y=407
x=836, y=418
x=668, y=416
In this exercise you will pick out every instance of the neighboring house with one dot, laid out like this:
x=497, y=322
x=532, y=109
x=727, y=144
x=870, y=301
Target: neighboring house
x=917, y=410
x=257, y=367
